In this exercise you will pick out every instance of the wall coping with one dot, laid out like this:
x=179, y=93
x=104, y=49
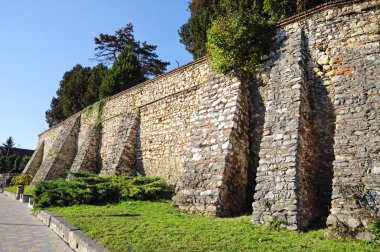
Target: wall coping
x=325, y=6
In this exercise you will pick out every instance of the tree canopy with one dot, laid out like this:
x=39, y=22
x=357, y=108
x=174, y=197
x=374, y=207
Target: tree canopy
x=125, y=73
x=78, y=89
x=203, y=12
x=109, y=47
x=9, y=161
x=133, y=62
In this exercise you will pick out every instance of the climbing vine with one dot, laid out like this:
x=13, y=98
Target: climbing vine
x=98, y=107
x=135, y=109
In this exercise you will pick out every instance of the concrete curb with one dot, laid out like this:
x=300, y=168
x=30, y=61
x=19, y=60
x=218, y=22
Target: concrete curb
x=76, y=239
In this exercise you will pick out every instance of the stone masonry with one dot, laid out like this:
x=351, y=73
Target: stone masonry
x=86, y=159
x=286, y=168
x=36, y=158
x=297, y=143
x=58, y=160
x=216, y=163
x=120, y=158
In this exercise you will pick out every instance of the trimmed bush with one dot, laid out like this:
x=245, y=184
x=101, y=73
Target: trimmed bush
x=85, y=188
x=22, y=179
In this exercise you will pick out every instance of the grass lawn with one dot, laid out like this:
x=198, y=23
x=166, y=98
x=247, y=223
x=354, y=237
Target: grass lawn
x=13, y=189
x=157, y=226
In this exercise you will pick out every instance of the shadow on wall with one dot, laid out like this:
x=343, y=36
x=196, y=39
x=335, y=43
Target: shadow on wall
x=98, y=160
x=315, y=127
x=256, y=110
x=139, y=162
x=323, y=119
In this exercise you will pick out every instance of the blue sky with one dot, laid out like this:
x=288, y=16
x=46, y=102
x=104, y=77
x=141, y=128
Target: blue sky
x=42, y=39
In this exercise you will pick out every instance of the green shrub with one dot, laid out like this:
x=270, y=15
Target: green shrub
x=375, y=229
x=22, y=179
x=87, y=188
x=280, y=9
x=237, y=41
x=144, y=188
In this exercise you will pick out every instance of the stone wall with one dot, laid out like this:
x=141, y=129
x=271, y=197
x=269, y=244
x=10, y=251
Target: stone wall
x=334, y=132
x=286, y=168
x=143, y=130
x=299, y=142
x=214, y=176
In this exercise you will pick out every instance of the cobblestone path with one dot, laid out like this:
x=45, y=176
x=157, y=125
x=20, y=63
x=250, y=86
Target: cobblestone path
x=22, y=232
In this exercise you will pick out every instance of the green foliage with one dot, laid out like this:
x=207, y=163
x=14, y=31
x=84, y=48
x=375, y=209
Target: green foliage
x=134, y=62
x=22, y=179
x=237, y=41
x=78, y=89
x=342, y=230
x=90, y=189
x=109, y=47
x=157, y=226
x=276, y=10
x=9, y=161
x=7, y=146
x=125, y=73
x=194, y=33
x=275, y=224
x=99, y=112
x=203, y=12
x=375, y=229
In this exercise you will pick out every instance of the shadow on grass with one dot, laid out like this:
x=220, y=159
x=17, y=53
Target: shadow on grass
x=110, y=215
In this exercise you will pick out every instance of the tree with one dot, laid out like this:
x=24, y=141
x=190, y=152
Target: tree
x=237, y=41
x=194, y=33
x=125, y=73
x=54, y=115
x=80, y=86
x=278, y=10
x=78, y=89
x=24, y=161
x=203, y=12
x=109, y=48
x=9, y=161
x=6, y=149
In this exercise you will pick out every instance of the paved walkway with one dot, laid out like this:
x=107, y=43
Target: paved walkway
x=22, y=232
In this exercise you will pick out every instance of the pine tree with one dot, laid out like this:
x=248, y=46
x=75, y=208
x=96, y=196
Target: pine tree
x=109, y=47
x=125, y=73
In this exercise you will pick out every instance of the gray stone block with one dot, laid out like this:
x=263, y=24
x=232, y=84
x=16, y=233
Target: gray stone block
x=45, y=216
x=61, y=227
x=80, y=242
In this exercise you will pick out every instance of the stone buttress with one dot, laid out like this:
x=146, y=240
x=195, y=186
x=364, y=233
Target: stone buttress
x=58, y=160
x=35, y=160
x=214, y=176
x=284, y=179
x=120, y=159
x=86, y=159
